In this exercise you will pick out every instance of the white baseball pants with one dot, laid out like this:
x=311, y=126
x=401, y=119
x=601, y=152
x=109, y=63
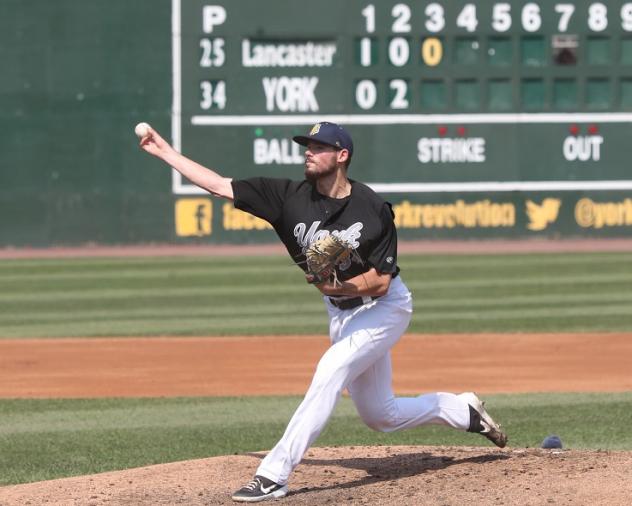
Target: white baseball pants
x=359, y=360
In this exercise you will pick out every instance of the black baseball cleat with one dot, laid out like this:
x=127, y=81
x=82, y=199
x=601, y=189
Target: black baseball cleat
x=482, y=423
x=260, y=489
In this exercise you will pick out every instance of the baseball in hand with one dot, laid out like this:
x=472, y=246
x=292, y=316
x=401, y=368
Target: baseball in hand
x=142, y=129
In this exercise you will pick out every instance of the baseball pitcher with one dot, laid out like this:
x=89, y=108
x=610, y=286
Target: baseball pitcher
x=342, y=235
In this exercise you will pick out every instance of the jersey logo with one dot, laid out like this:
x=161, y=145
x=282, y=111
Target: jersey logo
x=305, y=236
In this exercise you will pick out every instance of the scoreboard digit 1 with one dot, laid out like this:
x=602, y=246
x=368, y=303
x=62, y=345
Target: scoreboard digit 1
x=444, y=98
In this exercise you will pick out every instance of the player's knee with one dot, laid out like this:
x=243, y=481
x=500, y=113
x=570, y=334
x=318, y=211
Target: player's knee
x=380, y=421
x=382, y=426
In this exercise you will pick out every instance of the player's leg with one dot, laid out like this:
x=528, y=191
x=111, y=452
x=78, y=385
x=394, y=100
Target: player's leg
x=360, y=338
x=381, y=410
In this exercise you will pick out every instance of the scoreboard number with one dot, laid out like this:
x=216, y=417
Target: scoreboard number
x=402, y=15
x=626, y=17
x=366, y=94
x=597, y=17
x=501, y=17
x=365, y=52
x=398, y=51
x=213, y=94
x=467, y=18
x=431, y=51
x=400, y=89
x=566, y=12
x=213, y=54
x=435, y=21
x=531, y=19
x=369, y=15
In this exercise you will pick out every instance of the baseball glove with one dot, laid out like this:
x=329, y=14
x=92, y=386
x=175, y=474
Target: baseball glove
x=323, y=255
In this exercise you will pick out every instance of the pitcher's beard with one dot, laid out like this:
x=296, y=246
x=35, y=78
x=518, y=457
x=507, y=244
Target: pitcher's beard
x=312, y=176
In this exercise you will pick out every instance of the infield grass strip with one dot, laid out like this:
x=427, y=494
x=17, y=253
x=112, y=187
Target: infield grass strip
x=45, y=439
x=268, y=295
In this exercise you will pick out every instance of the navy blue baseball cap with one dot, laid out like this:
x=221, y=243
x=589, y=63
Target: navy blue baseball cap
x=327, y=133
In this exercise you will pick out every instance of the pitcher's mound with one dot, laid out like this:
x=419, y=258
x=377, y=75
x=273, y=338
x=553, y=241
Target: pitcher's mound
x=397, y=475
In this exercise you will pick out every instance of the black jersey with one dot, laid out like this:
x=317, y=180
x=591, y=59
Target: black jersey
x=301, y=215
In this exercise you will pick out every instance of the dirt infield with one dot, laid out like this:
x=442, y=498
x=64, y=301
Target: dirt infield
x=378, y=475
x=398, y=476
x=190, y=366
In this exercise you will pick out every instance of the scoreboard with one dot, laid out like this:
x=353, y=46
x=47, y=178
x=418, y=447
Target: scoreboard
x=451, y=103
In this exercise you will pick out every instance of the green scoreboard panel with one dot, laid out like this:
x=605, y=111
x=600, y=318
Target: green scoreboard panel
x=464, y=114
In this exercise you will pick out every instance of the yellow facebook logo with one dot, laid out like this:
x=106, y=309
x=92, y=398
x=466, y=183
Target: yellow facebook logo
x=194, y=217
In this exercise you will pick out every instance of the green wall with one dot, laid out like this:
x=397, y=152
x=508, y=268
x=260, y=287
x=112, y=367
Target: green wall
x=77, y=75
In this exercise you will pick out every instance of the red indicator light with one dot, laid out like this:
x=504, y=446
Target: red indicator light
x=443, y=131
x=460, y=131
x=573, y=129
x=593, y=129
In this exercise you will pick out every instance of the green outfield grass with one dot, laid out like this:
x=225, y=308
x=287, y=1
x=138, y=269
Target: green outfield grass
x=254, y=295
x=44, y=439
